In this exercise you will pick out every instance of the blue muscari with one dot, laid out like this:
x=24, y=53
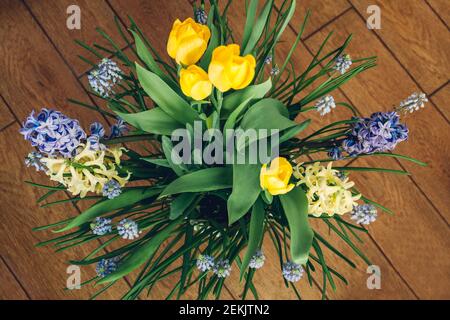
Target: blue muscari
x=101, y=226
x=379, y=133
x=204, y=262
x=128, y=229
x=106, y=266
x=53, y=133
x=111, y=189
x=292, y=272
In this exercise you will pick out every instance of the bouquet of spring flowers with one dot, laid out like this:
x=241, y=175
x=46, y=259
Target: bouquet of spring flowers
x=222, y=160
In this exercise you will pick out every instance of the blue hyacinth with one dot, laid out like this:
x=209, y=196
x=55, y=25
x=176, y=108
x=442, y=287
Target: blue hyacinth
x=379, y=133
x=204, y=262
x=292, y=272
x=106, y=266
x=335, y=153
x=222, y=268
x=118, y=129
x=101, y=226
x=112, y=189
x=128, y=229
x=53, y=133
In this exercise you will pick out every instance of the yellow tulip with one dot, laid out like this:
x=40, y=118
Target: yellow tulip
x=187, y=41
x=276, y=178
x=195, y=83
x=228, y=70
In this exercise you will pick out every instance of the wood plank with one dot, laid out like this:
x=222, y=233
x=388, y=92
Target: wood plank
x=371, y=92
x=442, y=99
x=94, y=14
x=417, y=38
x=10, y=288
x=5, y=115
x=321, y=13
x=442, y=9
x=41, y=270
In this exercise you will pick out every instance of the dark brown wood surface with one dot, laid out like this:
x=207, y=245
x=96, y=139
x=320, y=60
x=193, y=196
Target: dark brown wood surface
x=40, y=68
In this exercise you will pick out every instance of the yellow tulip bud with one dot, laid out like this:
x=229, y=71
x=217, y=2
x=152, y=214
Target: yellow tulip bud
x=187, y=41
x=276, y=178
x=195, y=83
x=228, y=70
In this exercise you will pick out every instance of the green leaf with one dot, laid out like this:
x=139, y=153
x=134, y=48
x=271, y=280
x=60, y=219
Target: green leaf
x=167, y=146
x=165, y=97
x=141, y=254
x=246, y=190
x=180, y=204
x=233, y=100
x=213, y=43
x=269, y=114
x=295, y=205
x=258, y=28
x=153, y=121
x=146, y=56
x=249, y=21
x=203, y=180
x=232, y=118
x=128, y=197
x=158, y=162
x=256, y=232
x=294, y=131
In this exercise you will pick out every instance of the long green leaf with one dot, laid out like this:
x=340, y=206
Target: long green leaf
x=141, y=254
x=256, y=92
x=165, y=97
x=203, y=180
x=153, y=121
x=256, y=232
x=295, y=205
x=126, y=198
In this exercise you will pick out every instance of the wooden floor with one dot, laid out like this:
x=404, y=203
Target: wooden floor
x=39, y=68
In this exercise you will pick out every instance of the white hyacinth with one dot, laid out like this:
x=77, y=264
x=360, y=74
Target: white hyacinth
x=104, y=77
x=325, y=104
x=413, y=103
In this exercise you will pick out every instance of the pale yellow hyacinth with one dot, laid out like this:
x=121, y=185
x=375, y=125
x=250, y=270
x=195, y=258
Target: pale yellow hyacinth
x=88, y=171
x=326, y=192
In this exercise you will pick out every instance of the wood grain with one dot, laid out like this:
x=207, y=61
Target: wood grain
x=94, y=14
x=442, y=100
x=442, y=9
x=321, y=13
x=417, y=38
x=368, y=93
x=10, y=288
x=5, y=115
